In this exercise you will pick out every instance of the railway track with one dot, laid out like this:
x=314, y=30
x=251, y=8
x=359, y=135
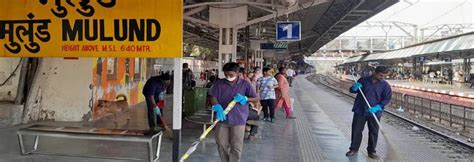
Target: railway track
x=454, y=148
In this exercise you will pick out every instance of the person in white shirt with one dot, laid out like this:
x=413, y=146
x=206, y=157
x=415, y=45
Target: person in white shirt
x=290, y=73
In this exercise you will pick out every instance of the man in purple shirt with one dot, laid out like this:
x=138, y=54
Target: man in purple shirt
x=378, y=94
x=231, y=130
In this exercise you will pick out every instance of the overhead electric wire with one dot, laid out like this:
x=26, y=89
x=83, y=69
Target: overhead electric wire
x=400, y=11
x=445, y=13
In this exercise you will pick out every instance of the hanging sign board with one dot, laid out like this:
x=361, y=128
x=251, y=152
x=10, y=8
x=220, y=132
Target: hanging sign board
x=92, y=28
x=288, y=31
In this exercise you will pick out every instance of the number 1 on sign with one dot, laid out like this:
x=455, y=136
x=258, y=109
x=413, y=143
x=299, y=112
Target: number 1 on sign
x=289, y=30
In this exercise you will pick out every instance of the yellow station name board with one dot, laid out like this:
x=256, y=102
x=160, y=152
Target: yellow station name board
x=91, y=28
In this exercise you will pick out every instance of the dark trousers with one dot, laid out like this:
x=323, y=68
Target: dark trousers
x=268, y=108
x=153, y=119
x=253, y=130
x=358, y=124
x=253, y=115
x=290, y=80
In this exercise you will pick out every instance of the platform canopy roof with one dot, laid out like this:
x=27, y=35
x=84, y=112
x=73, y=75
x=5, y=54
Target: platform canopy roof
x=455, y=47
x=322, y=20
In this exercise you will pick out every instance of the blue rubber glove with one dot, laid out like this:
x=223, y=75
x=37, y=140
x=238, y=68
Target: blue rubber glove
x=219, y=112
x=241, y=99
x=355, y=87
x=375, y=109
x=157, y=111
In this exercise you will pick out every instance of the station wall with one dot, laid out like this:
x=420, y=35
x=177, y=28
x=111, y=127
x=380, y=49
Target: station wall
x=69, y=89
x=64, y=89
x=116, y=76
x=7, y=67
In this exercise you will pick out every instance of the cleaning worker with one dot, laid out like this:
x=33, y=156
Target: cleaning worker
x=152, y=91
x=378, y=94
x=231, y=130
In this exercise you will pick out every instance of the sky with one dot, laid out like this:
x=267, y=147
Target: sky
x=423, y=13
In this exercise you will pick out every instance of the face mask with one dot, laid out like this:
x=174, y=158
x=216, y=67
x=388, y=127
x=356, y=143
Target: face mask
x=231, y=79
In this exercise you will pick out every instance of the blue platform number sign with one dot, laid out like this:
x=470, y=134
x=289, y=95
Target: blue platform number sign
x=288, y=31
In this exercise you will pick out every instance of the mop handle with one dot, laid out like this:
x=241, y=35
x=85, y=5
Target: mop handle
x=226, y=111
x=366, y=101
x=193, y=147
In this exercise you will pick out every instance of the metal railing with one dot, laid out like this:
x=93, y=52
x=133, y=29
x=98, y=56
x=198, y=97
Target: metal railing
x=436, y=111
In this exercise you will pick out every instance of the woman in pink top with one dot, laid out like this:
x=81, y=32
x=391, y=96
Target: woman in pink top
x=283, y=92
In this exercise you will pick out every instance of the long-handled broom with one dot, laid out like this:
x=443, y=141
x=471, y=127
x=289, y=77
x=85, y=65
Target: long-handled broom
x=204, y=134
x=168, y=131
x=367, y=102
x=376, y=119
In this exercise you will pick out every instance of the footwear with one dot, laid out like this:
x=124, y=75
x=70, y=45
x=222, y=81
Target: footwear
x=272, y=120
x=291, y=117
x=252, y=137
x=374, y=156
x=351, y=153
x=247, y=129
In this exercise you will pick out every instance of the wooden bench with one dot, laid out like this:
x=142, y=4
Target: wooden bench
x=83, y=133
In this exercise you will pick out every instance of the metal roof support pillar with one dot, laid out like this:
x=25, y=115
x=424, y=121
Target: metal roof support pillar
x=260, y=59
x=177, y=106
x=371, y=48
x=340, y=44
x=403, y=41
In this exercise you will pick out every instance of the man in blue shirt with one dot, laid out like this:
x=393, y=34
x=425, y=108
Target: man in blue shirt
x=152, y=90
x=230, y=132
x=378, y=94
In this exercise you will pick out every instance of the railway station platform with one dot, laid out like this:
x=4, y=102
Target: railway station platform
x=457, y=90
x=321, y=132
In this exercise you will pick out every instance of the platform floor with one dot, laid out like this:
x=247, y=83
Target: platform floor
x=321, y=132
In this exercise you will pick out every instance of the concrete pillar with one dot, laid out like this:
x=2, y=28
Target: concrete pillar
x=227, y=47
x=259, y=58
x=227, y=17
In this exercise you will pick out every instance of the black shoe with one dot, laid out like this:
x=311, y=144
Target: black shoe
x=272, y=120
x=374, y=156
x=252, y=137
x=351, y=153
